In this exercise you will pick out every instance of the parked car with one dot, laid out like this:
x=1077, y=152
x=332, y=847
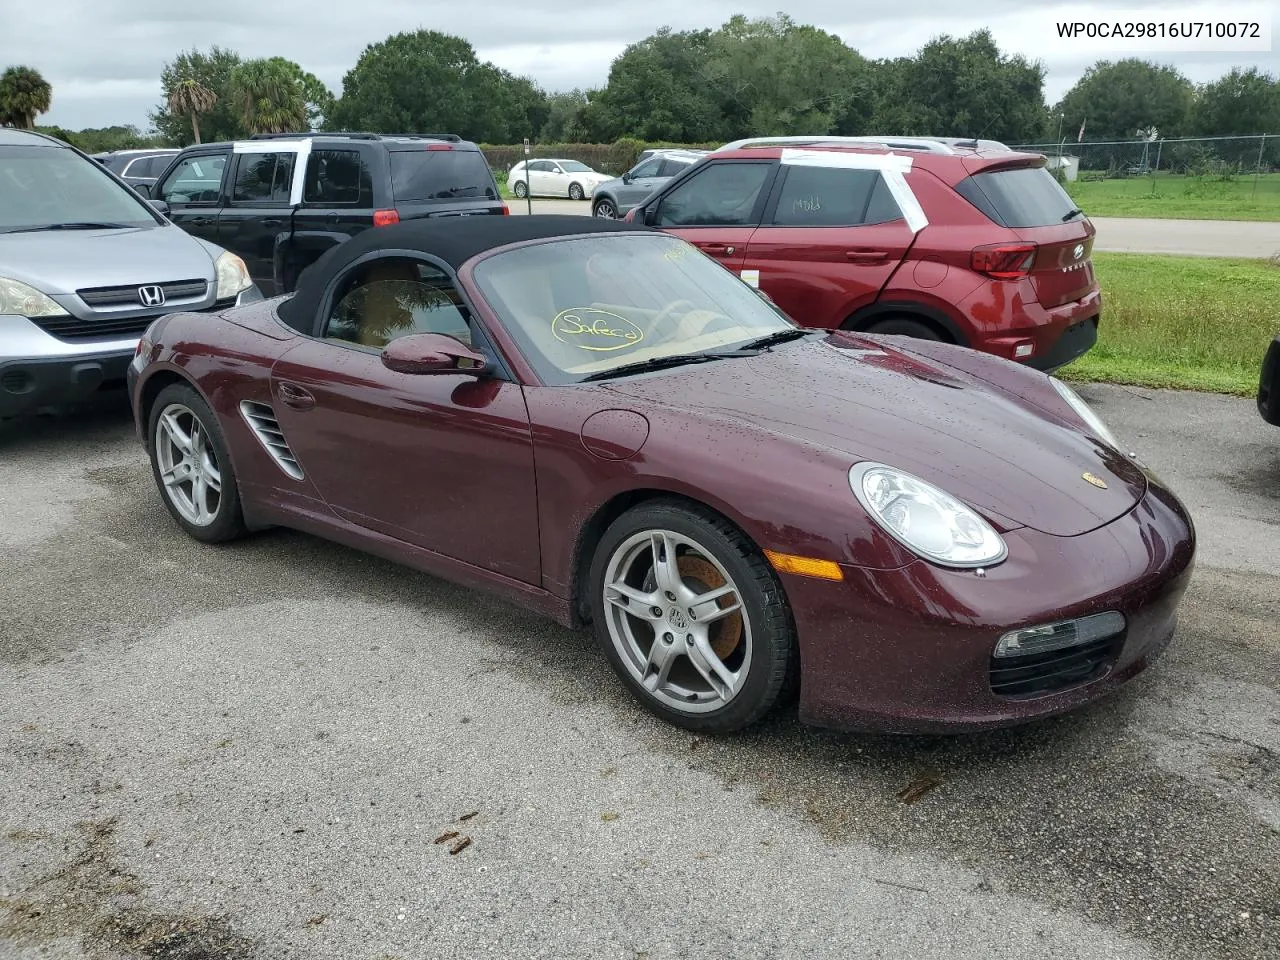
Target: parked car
x=554, y=178
x=282, y=200
x=137, y=167
x=1269, y=385
x=85, y=265
x=595, y=421
x=916, y=237
x=615, y=198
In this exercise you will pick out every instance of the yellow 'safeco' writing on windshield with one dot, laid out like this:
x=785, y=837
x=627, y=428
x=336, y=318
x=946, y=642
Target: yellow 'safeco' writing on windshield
x=597, y=330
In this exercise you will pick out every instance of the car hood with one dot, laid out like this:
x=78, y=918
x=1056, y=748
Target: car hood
x=1001, y=454
x=63, y=261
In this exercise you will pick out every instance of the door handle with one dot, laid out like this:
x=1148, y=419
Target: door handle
x=716, y=249
x=867, y=256
x=272, y=222
x=292, y=395
x=201, y=221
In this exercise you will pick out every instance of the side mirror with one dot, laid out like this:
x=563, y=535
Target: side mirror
x=627, y=177
x=650, y=215
x=423, y=353
x=143, y=188
x=160, y=206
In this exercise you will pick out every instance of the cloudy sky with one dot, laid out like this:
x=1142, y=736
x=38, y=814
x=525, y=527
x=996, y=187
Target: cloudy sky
x=104, y=57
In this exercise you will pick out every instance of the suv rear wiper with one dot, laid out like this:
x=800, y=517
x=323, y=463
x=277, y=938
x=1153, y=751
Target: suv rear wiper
x=662, y=363
x=1072, y=214
x=778, y=336
x=79, y=225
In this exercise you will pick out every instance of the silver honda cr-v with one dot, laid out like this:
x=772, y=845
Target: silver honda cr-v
x=86, y=264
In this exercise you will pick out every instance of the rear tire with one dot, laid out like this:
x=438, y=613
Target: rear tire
x=192, y=466
x=575, y=191
x=520, y=190
x=714, y=665
x=605, y=209
x=905, y=327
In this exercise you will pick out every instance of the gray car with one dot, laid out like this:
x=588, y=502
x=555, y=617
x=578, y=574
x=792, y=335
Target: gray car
x=614, y=198
x=86, y=264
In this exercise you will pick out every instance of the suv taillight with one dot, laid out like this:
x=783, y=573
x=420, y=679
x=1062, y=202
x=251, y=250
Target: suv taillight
x=506, y=211
x=1004, y=261
x=385, y=218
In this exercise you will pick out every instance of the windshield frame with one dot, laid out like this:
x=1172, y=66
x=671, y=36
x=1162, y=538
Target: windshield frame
x=515, y=343
x=152, y=218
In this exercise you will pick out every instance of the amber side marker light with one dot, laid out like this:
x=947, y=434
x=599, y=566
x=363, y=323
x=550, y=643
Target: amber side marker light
x=804, y=566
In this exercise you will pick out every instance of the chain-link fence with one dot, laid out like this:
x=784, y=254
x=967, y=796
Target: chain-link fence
x=1190, y=156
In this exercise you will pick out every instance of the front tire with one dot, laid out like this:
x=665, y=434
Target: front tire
x=605, y=209
x=691, y=617
x=192, y=467
x=575, y=191
x=520, y=189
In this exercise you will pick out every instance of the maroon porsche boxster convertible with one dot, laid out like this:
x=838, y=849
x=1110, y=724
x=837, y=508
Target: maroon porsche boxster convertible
x=597, y=421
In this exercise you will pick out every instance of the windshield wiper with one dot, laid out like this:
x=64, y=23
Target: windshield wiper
x=778, y=336
x=1072, y=215
x=79, y=225
x=662, y=363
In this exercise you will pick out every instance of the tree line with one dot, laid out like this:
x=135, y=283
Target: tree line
x=765, y=76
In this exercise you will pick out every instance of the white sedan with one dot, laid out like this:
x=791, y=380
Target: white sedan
x=554, y=178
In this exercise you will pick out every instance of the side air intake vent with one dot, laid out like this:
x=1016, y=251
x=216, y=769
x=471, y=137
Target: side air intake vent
x=262, y=420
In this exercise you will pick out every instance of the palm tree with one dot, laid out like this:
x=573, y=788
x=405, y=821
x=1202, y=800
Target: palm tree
x=271, y=96
x=190, y=96
x=24, y=95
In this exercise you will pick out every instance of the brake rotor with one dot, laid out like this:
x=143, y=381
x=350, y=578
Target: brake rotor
x=727, y=634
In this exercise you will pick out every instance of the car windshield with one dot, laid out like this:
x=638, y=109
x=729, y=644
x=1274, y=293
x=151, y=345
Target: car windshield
x=580, y=307
x=574, y=166
x=51, y=187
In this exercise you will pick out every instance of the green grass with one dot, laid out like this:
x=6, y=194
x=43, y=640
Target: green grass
x=1191, y=323
x=1167, y=196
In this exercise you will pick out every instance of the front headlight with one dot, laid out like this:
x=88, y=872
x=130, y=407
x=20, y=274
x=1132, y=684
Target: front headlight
x=1083, y=411
x=922, y=518
x=233, y=276
x=20, y=299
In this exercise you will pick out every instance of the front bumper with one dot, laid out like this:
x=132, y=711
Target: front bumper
x=30, y=384
x=39, y=370
x=1269, y=385
x=910, y=650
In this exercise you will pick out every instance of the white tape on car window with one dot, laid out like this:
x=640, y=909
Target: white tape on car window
x=892, y=167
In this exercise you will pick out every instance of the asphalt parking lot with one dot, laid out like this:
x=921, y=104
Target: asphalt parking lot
x=1193, y=238
x=249, y=752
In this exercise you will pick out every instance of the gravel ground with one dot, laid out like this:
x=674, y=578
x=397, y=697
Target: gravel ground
x=251, y=751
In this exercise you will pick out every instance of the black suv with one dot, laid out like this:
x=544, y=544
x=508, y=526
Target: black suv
x=281, y=200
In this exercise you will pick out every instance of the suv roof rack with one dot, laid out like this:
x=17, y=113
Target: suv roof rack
x=923, y=144
x=358, y=135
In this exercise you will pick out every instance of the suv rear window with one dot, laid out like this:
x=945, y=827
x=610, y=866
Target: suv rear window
x=440, y=175
x=1022, y=197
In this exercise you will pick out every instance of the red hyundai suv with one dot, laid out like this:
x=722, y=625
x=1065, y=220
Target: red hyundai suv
x=914, y=236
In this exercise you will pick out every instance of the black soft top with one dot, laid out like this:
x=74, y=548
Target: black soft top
x=453, y=240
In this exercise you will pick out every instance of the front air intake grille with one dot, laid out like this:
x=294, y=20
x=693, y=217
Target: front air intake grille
x=1039, y=674
x=75, y=328
x=182, y=291
x=262, y=421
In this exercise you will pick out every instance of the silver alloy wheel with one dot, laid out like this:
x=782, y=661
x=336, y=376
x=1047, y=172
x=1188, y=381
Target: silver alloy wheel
x=189, y=474
x=605, y=210
x=677, y=621
x=575, y=191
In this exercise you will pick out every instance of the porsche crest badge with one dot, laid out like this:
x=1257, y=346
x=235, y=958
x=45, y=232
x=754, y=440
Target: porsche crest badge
x=1096, y=481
